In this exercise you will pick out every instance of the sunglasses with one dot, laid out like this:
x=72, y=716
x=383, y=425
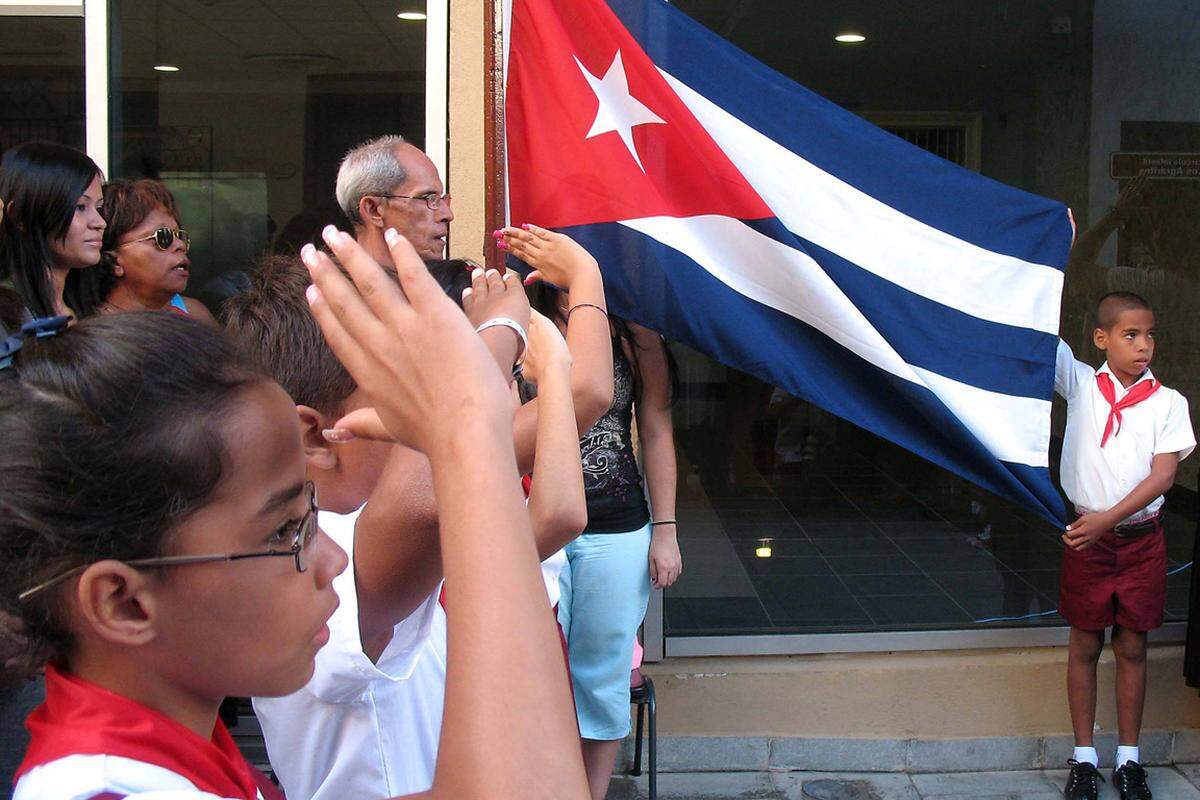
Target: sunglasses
x=163, y=238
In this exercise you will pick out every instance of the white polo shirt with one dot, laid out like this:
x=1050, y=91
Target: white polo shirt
x=1096, y=478
x=360, y=729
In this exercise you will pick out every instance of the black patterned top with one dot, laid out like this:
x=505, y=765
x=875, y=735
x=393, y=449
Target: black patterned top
x=616, y=501
x=612, y=482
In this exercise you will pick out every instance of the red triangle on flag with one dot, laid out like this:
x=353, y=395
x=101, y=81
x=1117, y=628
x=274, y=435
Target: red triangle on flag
x=595, y=133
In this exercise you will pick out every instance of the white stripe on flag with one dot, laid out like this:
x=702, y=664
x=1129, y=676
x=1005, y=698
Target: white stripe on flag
x=833, y=214
x=1013, y=429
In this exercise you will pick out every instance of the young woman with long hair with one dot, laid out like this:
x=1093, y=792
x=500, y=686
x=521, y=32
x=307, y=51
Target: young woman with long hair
x=51, y=229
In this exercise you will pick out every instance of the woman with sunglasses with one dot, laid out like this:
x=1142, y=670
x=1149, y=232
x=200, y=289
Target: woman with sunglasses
x=145, y=251
x=51, y=229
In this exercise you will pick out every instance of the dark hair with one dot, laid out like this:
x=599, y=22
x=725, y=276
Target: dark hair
x=1110, y=306
x=544, y=298
x=127, y=203
x=272, y=325
x=39, y=185
x=12, y=311
x=112, y=435
x=453, y=275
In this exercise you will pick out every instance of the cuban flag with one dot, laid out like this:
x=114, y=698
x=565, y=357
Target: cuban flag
x=737, y=212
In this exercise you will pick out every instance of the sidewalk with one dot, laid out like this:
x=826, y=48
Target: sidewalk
x=1181, y=782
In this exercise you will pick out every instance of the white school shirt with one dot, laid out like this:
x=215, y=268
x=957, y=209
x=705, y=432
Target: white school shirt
x=552, y=567
x=1096, y=478
x=84, y=777
x=358, y=729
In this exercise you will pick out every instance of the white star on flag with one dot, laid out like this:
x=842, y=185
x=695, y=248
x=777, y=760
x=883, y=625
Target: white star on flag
x=619, y=111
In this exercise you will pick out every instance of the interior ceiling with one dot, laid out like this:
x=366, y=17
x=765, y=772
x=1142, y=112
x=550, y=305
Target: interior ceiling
x=946, y=54
x=931, y=49
x=246, y=38
x=42, y=41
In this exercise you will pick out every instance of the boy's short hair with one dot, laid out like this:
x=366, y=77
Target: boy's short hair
x=1112, y=305
x=272, y=324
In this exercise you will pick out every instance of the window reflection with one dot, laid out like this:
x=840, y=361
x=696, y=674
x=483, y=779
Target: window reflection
x=248, y=129
x=865, y=536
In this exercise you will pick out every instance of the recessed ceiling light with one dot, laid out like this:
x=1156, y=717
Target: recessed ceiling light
x=166, y=68
x=412, y=15
x=850, y=38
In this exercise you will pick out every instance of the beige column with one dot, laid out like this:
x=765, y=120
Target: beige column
x=466, y=131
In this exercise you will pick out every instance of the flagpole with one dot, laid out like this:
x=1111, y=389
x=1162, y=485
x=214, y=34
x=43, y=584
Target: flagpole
x=493, y=114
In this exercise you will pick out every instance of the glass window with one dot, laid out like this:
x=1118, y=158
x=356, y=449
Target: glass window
x=41, y=80
x=245, y=109
x=794, y=521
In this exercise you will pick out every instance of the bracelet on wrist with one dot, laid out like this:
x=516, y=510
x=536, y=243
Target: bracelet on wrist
x=662, y=522
x=577, y=306
x=515, y=327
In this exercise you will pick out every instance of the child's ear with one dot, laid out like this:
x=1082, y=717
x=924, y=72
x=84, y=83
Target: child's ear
x=115, y=601
x=319, y=453
x=1100, y=338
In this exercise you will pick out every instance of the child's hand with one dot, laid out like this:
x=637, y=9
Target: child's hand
x=666, y=564
x=547, y=349
x=555, y=258
x=1083, y=532
x=408, y=346
x=490, y=296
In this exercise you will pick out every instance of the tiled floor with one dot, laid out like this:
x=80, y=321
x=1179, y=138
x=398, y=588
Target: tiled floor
x=865, y=537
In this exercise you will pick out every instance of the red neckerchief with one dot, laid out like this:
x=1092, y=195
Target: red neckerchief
x=1136, y=394
x=80, y=718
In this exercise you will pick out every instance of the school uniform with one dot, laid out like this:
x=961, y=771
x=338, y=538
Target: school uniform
x=1109, y=444
x=361, y=728
x=87, y=743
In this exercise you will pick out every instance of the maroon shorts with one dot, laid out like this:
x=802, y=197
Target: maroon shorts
x=1117, y=581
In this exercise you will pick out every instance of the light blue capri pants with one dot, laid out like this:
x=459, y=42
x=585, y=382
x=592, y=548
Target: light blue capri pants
x=605, y=589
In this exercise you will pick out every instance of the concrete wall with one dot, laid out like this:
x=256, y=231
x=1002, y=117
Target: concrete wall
x=920, y=695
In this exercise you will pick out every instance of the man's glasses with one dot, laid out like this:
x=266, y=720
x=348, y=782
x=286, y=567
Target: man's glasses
x=432, y=199
x=301, y=549
x=163, y=238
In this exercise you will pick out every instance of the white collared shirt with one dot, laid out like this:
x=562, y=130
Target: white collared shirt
x=362, y=729
x=1096, y=478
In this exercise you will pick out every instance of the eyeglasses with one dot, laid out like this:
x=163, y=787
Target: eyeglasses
x=433, y=200
x=163, y=238
x=301, y=550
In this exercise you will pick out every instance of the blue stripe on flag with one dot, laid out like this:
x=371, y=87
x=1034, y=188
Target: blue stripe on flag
x=927, y=334
x=652, y=284
x=959, y=202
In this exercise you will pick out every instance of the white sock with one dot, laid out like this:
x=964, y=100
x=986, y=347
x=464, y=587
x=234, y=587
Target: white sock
x=1087, y=754
x=1126, y=753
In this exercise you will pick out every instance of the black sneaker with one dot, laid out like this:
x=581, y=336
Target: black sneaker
x=1084, y=781
x=1130, y=781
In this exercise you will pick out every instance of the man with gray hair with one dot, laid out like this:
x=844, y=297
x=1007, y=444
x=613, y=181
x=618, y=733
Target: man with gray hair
x=387, y=183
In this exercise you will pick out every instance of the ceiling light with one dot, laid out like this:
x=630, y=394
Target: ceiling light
x=412, y=15
x=764, y=548
x=166, y=68
x=850, y=38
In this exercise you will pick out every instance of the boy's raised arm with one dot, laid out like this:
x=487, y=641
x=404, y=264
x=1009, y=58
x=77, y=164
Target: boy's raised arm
x=435, y=387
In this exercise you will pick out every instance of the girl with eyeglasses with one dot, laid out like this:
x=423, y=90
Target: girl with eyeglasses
x=148, y=475
x=145, y=251
x=51, y=229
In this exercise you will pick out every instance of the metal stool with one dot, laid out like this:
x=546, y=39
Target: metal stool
x=641, y=694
